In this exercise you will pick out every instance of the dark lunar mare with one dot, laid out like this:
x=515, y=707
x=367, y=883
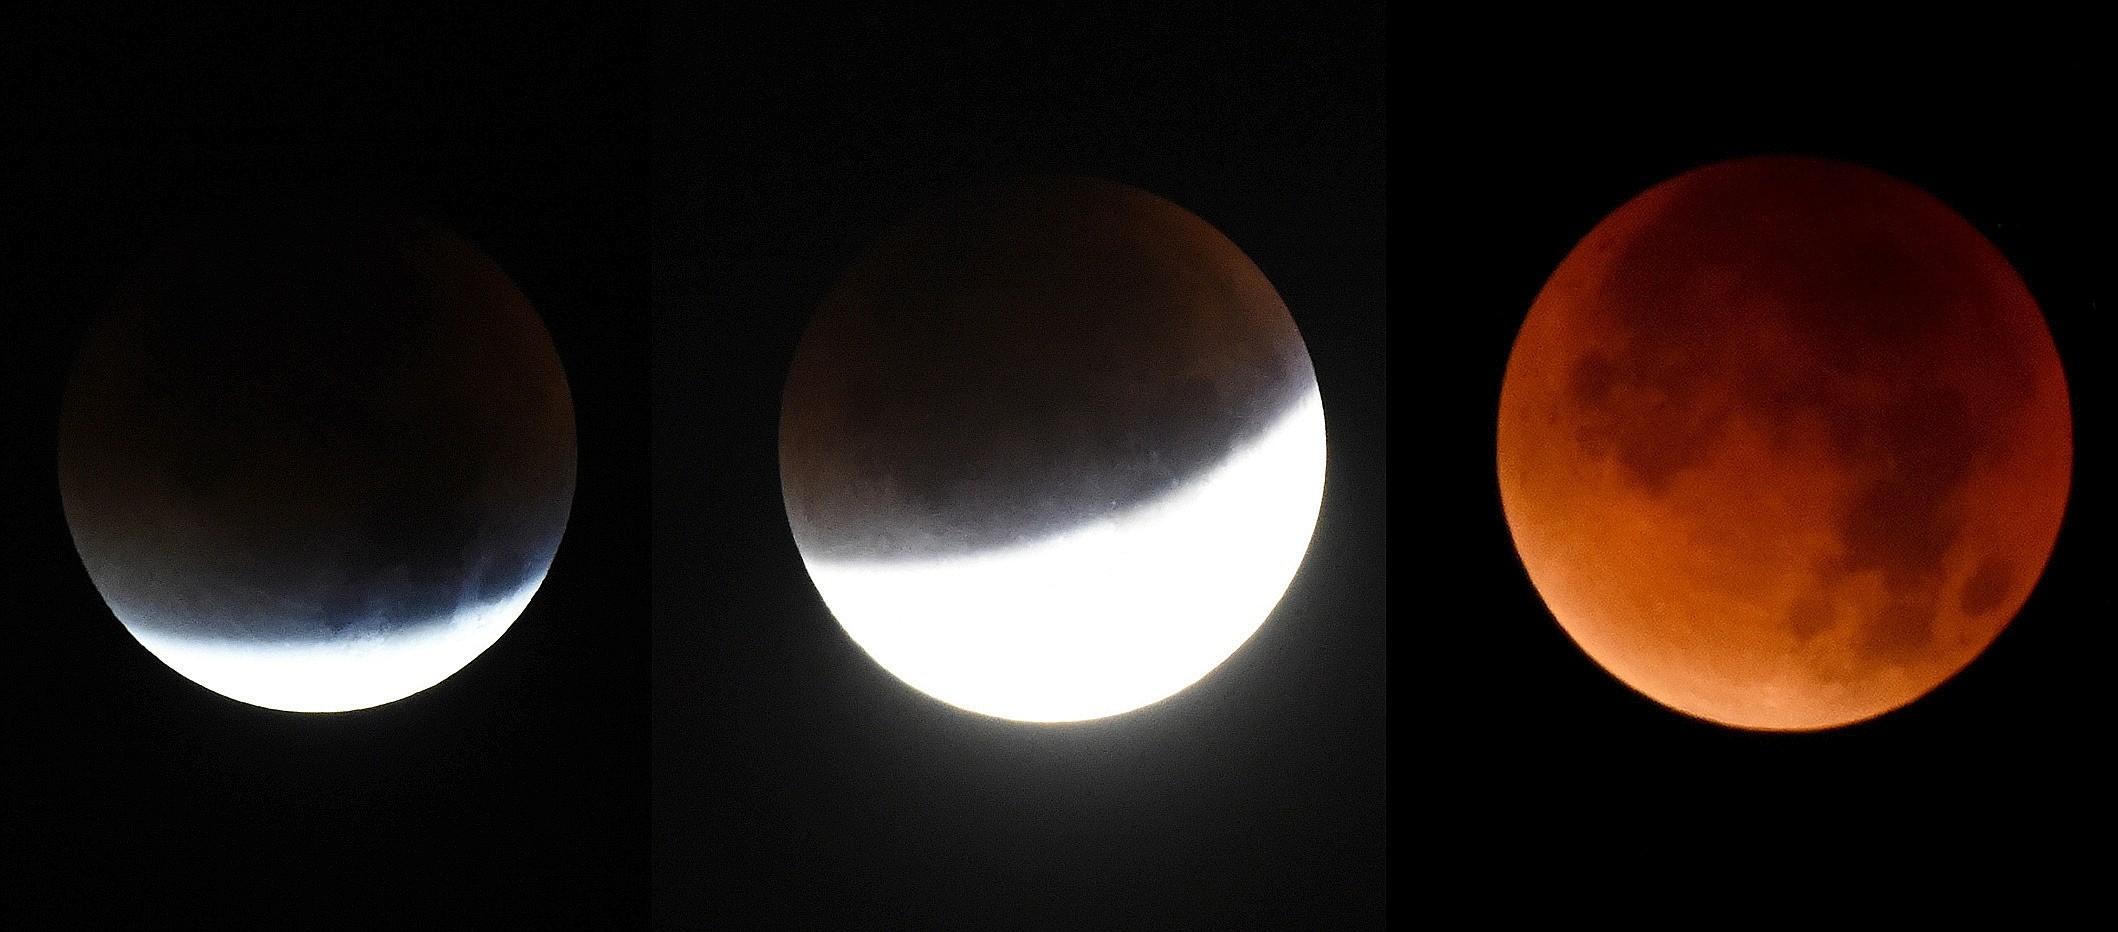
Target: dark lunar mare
x=1868, y=296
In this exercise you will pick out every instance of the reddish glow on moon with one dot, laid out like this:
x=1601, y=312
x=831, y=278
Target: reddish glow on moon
x=1784, y=443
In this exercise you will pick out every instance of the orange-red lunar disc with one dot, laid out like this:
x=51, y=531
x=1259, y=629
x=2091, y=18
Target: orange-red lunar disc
x=1784, y=443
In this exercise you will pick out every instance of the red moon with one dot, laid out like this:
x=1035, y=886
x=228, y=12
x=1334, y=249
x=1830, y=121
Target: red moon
x=1784, y=443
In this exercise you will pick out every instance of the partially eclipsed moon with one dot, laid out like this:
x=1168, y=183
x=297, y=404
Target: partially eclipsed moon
x=1053, y=450
x=317, y=460
x=1784, y=443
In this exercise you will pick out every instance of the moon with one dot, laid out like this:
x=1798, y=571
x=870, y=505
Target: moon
x=1784, y=443
x=1052, y=450
x=317, y=459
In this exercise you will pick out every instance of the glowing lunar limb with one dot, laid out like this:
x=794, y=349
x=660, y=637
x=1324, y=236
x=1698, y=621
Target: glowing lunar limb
x=360, y=668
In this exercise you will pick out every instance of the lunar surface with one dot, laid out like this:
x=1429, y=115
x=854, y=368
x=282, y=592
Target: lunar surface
x=1052, y=450
x=317, y=459
x=1784, y=443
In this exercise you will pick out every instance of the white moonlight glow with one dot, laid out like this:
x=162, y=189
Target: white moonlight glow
x=1108, y=617
x=361, y=669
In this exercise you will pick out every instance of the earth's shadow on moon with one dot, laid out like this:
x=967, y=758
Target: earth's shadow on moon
x=1024, y=359
x=300, y=422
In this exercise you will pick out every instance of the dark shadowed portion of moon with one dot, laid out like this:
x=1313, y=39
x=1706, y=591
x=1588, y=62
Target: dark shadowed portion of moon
x=1023, y=359
x=1868, y=308
x=291, y=426
x=1784, y=442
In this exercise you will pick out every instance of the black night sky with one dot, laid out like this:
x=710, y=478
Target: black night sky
x=677, y=734
x=796, y=783
x=513, y=794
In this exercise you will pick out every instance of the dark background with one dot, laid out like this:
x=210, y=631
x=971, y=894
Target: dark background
x=766, y=774
x=799, y=785
x=513, y=794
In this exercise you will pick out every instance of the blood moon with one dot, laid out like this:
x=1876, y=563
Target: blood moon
x=1052, y=449
x=1784, y=443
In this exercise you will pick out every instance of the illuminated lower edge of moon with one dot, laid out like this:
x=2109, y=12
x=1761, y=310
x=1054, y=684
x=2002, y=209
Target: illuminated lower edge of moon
x=359, y=670
x=1120, y=613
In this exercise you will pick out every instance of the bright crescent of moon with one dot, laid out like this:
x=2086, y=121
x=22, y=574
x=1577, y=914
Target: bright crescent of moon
x=358, y=670
x=1106, y=618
